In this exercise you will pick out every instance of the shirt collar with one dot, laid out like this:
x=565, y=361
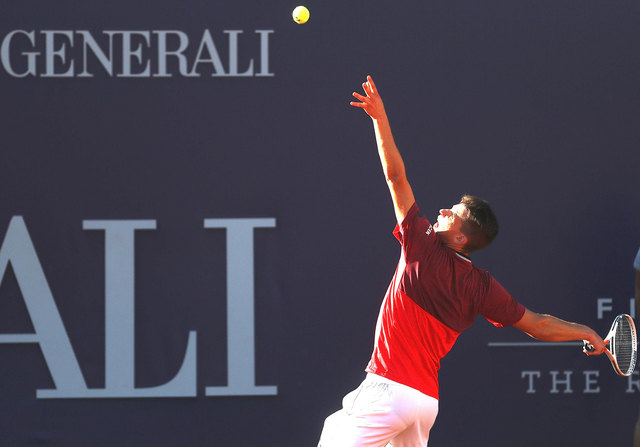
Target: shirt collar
x=465, y=257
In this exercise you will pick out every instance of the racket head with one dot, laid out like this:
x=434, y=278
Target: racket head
x=622, y=349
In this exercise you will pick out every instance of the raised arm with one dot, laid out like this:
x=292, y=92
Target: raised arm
x=392, y=164
x=550, y=328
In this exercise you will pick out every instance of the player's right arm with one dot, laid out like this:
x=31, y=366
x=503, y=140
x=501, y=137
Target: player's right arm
x=392, y=163
x=550, y=328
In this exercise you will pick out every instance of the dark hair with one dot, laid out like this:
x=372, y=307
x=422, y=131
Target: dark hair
x=481, y=227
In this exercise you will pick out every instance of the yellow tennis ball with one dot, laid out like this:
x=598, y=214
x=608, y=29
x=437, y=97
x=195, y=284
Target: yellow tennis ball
x=300, y=14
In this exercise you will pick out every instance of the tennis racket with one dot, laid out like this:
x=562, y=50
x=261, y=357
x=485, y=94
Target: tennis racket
x=622, y=349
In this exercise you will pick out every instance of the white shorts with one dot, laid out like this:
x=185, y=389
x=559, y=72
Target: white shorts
x=378, y=413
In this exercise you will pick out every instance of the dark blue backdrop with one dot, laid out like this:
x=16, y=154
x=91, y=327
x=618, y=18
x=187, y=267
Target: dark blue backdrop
x=532, y=105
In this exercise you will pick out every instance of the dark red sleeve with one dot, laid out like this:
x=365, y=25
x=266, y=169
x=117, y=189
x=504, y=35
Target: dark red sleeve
x=499, y=307
x=416, y=234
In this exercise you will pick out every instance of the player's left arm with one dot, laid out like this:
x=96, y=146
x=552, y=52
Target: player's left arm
x=392, y=163
x=550, y=328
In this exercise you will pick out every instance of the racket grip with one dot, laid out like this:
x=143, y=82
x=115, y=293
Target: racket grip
x=587, y=346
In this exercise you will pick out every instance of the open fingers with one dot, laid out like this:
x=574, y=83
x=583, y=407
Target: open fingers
x=367, y=89
x=369, y=101
x=360, y=97
x=372, y=85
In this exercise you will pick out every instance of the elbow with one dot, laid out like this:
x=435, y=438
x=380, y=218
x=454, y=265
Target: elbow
x=391, y=179
x=395, y=177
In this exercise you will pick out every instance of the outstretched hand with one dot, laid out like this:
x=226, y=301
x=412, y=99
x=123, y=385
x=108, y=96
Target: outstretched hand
x=371, y=103
x=596, y=346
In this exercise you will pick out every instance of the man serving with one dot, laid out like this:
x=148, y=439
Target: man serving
x=435, y=294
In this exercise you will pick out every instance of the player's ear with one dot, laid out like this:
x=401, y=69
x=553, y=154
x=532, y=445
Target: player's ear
x=461, y=239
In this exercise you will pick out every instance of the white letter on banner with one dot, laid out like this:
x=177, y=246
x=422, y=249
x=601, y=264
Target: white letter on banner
x=5, y=54
x=240, y=308
x=207, y=43
x=632, y=382
x=589, y=381
x=89, y=43
x=233, y=55
x=604, y=305
x=530, y=375
x=129, y=53
x=163, y=53
x=566, y=381
x=50, y=333
x=120, y=322
x=264, y=52
x=51, y=54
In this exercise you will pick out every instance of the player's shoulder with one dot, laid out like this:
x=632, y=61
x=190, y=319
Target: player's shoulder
x=476, y=277
x=417, y=225
x=413, y=215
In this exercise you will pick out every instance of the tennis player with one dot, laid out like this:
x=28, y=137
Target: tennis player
x=434, y=295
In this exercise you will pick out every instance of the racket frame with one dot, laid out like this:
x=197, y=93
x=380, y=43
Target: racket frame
x=611, y=348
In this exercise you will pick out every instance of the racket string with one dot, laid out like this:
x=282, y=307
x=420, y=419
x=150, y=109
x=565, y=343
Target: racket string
x=623, y=346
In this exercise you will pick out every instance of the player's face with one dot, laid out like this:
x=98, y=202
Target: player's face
x=450, y=221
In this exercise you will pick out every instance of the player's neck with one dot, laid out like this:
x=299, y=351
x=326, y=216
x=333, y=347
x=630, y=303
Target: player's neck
x=450, y=241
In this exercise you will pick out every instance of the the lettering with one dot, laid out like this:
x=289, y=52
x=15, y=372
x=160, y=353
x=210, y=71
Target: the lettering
x=49, y=332
x=134, y=54
x=633, y=384
x=240, y=307
x=556, y=382
x=604, y=305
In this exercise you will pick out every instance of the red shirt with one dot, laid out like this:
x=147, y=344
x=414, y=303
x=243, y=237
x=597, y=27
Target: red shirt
x=434, y=295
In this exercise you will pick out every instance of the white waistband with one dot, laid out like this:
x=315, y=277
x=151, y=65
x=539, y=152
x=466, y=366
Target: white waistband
x=379, y=379
x=374, y=378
